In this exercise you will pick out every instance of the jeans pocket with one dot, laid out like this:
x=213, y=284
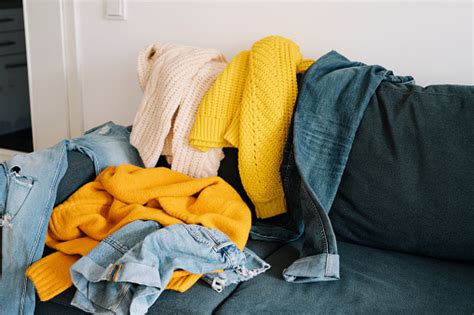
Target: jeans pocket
x=19, y=187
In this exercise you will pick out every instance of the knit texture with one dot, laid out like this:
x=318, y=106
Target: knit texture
x=174, y=80
x=250, y=107
x=126, y=193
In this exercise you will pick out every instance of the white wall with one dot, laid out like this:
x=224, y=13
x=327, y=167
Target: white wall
x=46, y=72
x=431, y=41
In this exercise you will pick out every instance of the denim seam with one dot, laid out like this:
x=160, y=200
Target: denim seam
x=222, y=245
x=223, y=249
x=218, y=243
x=287, y=176
x=41, y=225
x=198, y=238
x=229, y=259
x=121, y=295
x=326, y=267
x=323, y=230
x=287, y=166
x=117, y=245
x=313, y=196
x=10, y=179
x=3, y=207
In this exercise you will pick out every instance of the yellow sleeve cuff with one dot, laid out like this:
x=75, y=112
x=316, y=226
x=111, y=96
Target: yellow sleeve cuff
x=50, y=275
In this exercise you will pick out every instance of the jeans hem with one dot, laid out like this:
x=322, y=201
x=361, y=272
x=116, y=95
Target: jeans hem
x=322, y=267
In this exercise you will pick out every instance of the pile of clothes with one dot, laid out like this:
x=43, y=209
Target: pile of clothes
x=138, y=229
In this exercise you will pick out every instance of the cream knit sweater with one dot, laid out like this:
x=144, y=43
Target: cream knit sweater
x=174, y=80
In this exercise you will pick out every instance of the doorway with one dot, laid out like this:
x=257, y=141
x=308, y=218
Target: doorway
x=15, y=114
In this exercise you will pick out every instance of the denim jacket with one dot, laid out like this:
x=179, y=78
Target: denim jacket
x=129, y=269
x=331, y=102
x=28, y=187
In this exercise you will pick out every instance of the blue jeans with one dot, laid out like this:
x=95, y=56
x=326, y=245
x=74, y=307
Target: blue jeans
x=28, y=187
x=130, y=269
x=332, y=99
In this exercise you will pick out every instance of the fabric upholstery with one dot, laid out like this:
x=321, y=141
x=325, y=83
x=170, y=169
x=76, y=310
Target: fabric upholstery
x=80, y=170
x=408, y=184
x=372, y=281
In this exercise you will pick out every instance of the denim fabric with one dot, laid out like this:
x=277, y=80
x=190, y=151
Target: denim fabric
x=318, y=260
x=332, y=100
x=28, y=187
x=333, y=97
x=125, y=275
x=253, y=264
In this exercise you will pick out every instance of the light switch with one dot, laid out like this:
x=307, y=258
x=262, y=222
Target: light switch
x=115, y=9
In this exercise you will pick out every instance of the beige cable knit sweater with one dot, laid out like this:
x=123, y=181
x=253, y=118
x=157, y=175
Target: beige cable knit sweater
x=174, y=80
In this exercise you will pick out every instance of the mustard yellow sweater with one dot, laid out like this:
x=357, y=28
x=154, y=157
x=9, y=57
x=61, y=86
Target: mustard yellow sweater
x=250, y=107
x=126, y=193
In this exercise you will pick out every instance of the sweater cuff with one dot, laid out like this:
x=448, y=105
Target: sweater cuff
x=182, y=283
x=304, y=65
x=208, y=132
x=50, y=275
x=232, y=133
x=270, y=208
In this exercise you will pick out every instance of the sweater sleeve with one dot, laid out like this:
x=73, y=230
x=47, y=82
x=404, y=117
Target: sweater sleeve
x=50, y=275
x=220, y=106
x=267, y=108
x=232, y=133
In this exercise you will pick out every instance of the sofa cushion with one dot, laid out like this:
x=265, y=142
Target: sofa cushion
x=408, y=184
x=80, y=171
x=373, y=281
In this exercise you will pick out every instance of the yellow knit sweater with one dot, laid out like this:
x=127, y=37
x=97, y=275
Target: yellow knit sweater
x=127, y=193
x=250, y=107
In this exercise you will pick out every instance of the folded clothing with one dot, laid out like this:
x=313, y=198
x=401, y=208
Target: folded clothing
x=127, y=193
x=130, y=269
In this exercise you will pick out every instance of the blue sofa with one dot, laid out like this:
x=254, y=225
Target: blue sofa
x=403, y=217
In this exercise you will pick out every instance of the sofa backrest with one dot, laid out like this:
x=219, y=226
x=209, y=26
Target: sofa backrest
x=409, y=182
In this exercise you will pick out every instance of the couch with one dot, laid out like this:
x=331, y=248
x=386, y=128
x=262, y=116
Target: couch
x=403, y=217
